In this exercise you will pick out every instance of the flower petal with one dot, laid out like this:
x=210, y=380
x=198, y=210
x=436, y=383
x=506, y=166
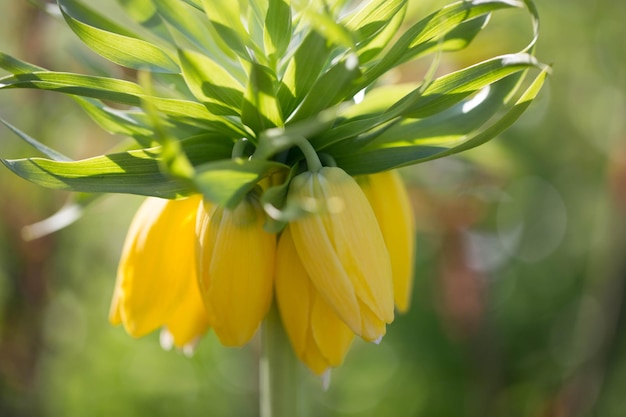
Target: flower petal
x=390, y=201
x=319, y=337
x=343, y=250
x=236, y=269
x=156, y=267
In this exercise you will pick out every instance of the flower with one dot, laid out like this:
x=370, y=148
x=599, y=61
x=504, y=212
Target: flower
x=343, y=251
x=235, y=259
x=190, y=264
x=319, y=337
x=156, y=278
x=390, y=202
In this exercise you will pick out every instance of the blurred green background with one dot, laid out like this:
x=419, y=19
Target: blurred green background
x=518, y=308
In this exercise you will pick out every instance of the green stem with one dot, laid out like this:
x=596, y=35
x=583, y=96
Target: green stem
x=278, y=370
x=312, y=159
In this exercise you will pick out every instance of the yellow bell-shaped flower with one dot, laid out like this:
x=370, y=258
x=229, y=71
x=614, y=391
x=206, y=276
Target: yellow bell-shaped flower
x=343, y=251
x=156, y=279
x=389, y=199
x=319, y=337
x=235, y=259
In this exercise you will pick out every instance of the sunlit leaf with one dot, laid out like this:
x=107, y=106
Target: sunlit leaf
x=122, y=49
x=227, y=182
x=260, y=110
x=211, y=84
x=388, y=156
x=135, y=172
x=302, y=71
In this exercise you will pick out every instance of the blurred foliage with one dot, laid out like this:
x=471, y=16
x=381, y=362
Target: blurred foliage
x=518, y=307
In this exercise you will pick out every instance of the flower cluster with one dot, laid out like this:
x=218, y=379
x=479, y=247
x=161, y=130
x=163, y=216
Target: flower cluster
x=335, y=272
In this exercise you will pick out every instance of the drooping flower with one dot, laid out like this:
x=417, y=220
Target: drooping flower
x=389, y=200
x=188, y=264
x=343, y=251
x=319, y=337
x=235, y=259
x=156, y=279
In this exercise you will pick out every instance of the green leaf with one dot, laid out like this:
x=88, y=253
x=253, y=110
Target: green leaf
x=115, y=121
x=278, y=29
x=122, y=49
x=330, y=88
x=432, y=29
x=194, y=26
x=302, y=71
x=451, y=88
x=133, y=172
x=49, y=152
x=382, y=157
x=276, y=140
x=145, y=13
x=16, y=66
x=227, y=182
x=260, y=110
x=225, y=19
x=441, y=94
x=210, y=83
x=371, y=48
x=372, y=18
x=124, y=92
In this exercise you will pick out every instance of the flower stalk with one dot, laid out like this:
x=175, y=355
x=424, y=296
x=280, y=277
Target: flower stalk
x=278, y=370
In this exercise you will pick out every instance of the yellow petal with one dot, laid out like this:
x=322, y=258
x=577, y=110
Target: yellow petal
x=294, y=293
x=318, y=336
x=190, y=320
x=236, y=269
x=332, y=336
x=157, y=264
x=390, y=201
x=343, y=250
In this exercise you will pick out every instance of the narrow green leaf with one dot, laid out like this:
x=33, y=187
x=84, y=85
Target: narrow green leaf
x=89, y=16
x=451, y=88
x=124, y=92
x=330, y=88
x=121, y=49
x=115, y=121
x=433, y=28
x=274, y=141
x=302, y=71
x=370, y=49
x=278, y=28
x=194, y=26
x=16, y=66
x=372, y=17
x=225, y=18
x=133, y=172
x=260, y=110
x=375, y=158
x=227, y=182
x=210, y=83
x=442, y=93
x=49, y=152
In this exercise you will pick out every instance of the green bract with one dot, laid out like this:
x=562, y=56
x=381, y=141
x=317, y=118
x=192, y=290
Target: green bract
x=228, y=90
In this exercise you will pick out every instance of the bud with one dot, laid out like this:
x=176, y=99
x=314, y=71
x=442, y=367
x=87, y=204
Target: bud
x=319, y=337
x=235, y=259
x=390, y=202
x=156, y=282
x=343, y=250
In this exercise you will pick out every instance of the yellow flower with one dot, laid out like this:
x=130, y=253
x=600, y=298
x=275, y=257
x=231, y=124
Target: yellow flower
x=343, y=250
x=390, y=201
x=318, y=336
x=235, y=258
x=156, y=279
